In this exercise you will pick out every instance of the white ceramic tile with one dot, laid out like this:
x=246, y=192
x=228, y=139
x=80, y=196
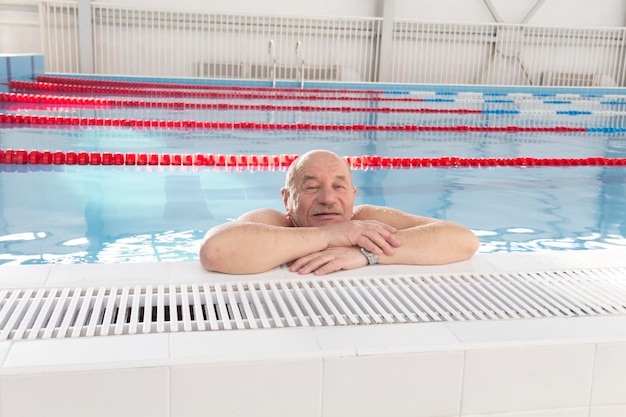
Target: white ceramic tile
x=83, y=275
x=544, y=260
x=385, y=338
x=520, y=330
x=609, y=376
x=550, y=260
x=416, y=385
x=602, y=327
x=4, y=351
x=612, y=257
x=478, y=263
x=285, y=388
x=527, y=378
x=561, y=412
x=608, y=411
x=24, y=276
x=120, y=393
x=515, y=261
x=243, y=345
x=191, y=272
x=87, y=353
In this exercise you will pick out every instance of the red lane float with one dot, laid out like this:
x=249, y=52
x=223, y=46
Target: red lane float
x=35, y=99
x=35, y=157
x=21, y=119
x=25, y=86
x=144, y=84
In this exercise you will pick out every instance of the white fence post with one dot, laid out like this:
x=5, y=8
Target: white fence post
x=85, y=37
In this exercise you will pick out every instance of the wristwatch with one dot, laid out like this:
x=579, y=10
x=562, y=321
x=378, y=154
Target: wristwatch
x=371, y=258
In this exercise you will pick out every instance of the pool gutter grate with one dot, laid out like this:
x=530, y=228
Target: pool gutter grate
x=83, y=312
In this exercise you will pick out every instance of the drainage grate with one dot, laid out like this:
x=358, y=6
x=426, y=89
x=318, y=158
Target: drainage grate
x=78, y=312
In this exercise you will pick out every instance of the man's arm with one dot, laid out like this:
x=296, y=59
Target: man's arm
x=425, y=241
x=263, y=239
x=257, y=241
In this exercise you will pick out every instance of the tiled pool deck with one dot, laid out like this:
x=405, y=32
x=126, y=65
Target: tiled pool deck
x=566, y=367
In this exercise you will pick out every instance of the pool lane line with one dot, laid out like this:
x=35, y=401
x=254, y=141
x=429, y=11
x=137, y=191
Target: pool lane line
x=30, y=101
x=34, y=157
x=183, y=86
x=456, y=96
x=551, y=98
x=27, y=86
x=104, y=102
x=37, y=120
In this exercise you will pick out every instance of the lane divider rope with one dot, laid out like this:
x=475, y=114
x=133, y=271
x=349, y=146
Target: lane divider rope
x=551, y=97
x=453, y=96
x=30, y=101
x=37, y=120
x=153, y=85
x=104, y=102
x=26, y=86
x=35, y=157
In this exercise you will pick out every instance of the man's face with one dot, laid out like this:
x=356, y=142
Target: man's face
x=321, y=192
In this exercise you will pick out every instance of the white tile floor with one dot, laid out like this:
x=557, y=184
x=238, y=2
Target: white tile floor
x=559, y=367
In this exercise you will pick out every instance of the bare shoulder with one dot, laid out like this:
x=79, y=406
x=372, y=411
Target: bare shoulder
x=266, y=216
x=391, y=216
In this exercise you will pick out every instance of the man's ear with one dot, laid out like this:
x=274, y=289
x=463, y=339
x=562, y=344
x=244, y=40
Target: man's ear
x=285, y=193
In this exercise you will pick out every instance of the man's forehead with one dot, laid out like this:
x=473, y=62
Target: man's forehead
x=313, y=177
x=318, y=165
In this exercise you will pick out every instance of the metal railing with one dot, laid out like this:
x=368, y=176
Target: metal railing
x=132, y=41
x=59, y=32
x=507, y=54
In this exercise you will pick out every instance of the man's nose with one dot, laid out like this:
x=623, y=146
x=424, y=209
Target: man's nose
x=327, y=195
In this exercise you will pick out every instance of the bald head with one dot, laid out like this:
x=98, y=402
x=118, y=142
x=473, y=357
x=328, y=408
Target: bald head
x=313, y=157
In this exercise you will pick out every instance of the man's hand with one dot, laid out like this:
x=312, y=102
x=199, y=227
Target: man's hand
x=371, y=235
x=329, y=260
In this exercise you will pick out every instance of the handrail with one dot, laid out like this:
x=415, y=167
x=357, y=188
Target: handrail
x=272, y=54
x=300, y=54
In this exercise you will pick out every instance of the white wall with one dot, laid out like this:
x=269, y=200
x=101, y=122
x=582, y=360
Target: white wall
x=361, y=8
x=577, y=13
x=567, y=13
x=19, y=27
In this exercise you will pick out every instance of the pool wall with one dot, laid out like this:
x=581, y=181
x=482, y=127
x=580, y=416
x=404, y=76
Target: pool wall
x=19, y=67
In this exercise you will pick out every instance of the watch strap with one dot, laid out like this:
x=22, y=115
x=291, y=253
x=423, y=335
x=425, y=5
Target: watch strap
x=371, y=258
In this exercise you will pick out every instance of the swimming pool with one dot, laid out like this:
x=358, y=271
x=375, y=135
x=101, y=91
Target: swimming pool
x=84, y=213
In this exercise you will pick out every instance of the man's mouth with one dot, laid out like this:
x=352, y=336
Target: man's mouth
x=326, y=215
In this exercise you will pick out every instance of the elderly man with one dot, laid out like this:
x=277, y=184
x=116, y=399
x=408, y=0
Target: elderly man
x=322, y=231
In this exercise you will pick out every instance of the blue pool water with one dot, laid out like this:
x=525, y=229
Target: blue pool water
x=78, y=214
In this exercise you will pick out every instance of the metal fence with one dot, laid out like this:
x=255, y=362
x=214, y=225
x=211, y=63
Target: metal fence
x=507, y=54
x=60, y=32
x=132, y=41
